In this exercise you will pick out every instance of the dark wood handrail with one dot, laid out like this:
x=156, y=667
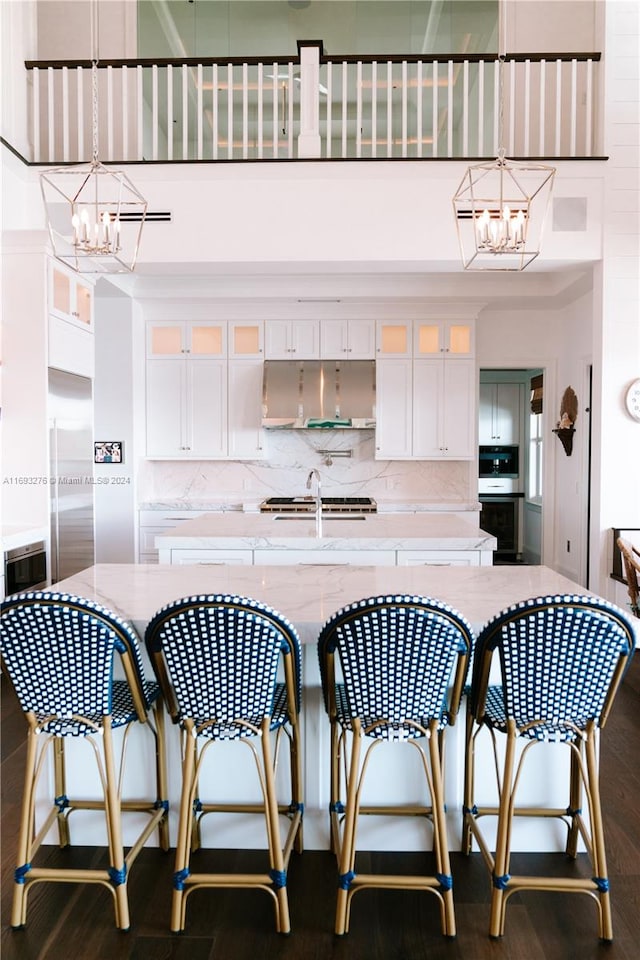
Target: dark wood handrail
x=295, y=58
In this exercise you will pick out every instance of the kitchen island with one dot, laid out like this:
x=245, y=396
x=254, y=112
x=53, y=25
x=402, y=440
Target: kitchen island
x=307, y=596
x=364, y=539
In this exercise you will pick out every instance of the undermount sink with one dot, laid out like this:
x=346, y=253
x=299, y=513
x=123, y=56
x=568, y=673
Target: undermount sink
x=326, y=518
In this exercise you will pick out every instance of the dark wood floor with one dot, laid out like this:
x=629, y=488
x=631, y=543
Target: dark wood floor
x=68, y=921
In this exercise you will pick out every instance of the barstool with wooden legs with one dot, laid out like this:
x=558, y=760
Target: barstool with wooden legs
x=393, y=670
x=560, y=663
x=59, y=653
x=631, y=562
x=217, y=660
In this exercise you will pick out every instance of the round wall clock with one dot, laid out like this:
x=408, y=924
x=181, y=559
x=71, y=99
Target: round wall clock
x=632, y=400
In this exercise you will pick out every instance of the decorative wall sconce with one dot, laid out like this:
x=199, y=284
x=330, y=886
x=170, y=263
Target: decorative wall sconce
x=565, y=429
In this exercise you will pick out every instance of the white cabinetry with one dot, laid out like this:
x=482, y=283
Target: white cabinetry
x=292, y=339
x=499, y=413
x=441, y=558
x=70, y=297
x=347, y=339
x=363, y=558
x=426, y=396
x=70, y=308
x=200, y=404
x=212, y=557
x=153, y=522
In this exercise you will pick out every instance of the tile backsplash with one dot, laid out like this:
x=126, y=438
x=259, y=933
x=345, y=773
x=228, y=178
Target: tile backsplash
x=290, y=454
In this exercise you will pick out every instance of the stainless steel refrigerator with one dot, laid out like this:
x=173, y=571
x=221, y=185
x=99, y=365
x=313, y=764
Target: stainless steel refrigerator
x=71, y=473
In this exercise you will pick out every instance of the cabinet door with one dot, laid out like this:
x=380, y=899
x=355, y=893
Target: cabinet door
x=362, y=340
x=165, y=408
x=428, y=404
x=245, y=409
x=393, y=409
x=334, y=342
x=166, y=340
x=486, y=413
x=277, y=340
x=246, y=340
x=305, y=339
x=207, y=408
x=507, y=412
x=459, y=409
x=70, y=298
x=393, y=339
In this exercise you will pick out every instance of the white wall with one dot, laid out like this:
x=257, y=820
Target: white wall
x=114, y=400
x=25, y=466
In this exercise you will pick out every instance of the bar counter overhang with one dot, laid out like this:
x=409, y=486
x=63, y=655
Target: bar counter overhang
x=307, y=595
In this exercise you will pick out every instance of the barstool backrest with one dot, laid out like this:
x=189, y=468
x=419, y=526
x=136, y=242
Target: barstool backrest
x=59, y=651
x=218, y=656
x=401, y=657
x=561, y=660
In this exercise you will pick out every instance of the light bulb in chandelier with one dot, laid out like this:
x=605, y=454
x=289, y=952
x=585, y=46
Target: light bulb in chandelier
x=95, y=232
x=503, y=231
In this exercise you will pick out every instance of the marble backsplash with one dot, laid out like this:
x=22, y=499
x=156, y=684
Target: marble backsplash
x=346, y=462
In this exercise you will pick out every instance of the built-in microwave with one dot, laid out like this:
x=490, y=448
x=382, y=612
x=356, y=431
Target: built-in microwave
x=499, y=461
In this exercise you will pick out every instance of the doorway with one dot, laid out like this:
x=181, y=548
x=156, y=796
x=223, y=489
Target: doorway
x=510, y=416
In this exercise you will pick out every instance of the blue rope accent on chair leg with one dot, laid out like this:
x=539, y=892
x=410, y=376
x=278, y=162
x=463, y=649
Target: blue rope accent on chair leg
x=117, y=877
x=473, y=810
x=445, y=880
x=337, y=807
x=197, y=805
x=570, y=812
x=61, y=802
x=21, y=872
x=296, y=808
x=346, y=879
x=161, y=804
x=179, y=878
x=602, y=883
x=501, y=882
x=279, y=878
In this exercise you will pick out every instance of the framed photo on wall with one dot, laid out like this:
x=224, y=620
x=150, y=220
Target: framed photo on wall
x=108, y=451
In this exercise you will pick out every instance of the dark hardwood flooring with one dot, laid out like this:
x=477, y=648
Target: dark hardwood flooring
x=71, y=922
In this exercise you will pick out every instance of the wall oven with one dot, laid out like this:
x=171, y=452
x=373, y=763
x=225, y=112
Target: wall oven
x=25, y=568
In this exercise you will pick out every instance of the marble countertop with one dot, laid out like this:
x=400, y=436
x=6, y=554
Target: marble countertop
x=401, y=531
x=309, y=595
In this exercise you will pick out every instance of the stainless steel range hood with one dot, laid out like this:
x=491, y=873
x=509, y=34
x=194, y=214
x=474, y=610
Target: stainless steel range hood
x=329, y=394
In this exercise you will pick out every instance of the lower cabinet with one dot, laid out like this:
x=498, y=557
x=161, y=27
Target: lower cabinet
x=334, y=558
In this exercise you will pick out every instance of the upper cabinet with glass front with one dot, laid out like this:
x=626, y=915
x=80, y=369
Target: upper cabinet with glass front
x=174, y=340
x=451, y=338
x=70, y=297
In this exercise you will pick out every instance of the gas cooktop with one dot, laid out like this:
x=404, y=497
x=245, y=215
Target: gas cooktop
x=308, y=505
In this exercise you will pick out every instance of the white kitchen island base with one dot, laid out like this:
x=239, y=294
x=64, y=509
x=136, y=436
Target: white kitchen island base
x=307, y=596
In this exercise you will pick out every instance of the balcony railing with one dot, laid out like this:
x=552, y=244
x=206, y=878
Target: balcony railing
x=312, y=106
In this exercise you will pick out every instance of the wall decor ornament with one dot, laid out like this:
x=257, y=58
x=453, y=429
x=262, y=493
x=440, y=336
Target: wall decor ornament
x=565, y=429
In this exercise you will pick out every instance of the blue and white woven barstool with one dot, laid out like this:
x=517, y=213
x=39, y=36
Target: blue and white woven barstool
x=561, y=660
x=217, y=659
x=392, y=669
x=58, y=652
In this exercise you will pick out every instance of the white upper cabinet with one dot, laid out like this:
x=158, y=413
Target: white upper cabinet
x=443, y=401
x=394, y=339
x=347, y=339
x=454, y=339
x=500, y=413
x=200, y=403
x=70, y=297
x=246, y=340
x=292, y=339
x=174, y=340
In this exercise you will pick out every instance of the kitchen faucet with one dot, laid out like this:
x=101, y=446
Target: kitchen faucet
x=314, y=473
